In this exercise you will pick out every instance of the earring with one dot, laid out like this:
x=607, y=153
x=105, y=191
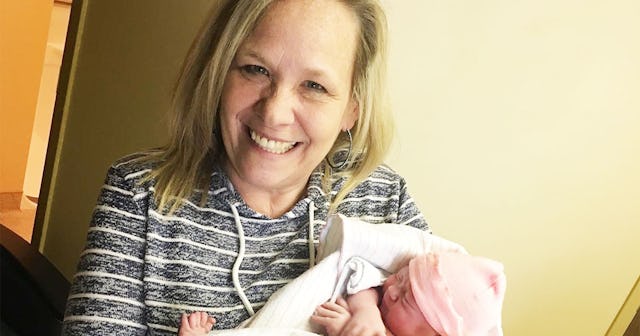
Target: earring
x=346, y=159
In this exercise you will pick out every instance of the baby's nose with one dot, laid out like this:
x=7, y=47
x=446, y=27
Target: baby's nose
x=393, y=292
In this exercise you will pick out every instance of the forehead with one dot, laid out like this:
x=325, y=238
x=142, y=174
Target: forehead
x=326, y=26
x=314, y=12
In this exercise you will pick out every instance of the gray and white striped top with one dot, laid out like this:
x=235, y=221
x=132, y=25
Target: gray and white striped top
x=141, y=269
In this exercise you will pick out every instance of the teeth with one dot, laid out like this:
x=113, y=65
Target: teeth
x=271, y=146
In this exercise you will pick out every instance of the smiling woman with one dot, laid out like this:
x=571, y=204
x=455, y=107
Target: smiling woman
x=288, y=89
x=230, y=209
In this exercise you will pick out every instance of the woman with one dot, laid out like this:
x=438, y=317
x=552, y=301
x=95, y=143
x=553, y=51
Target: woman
x=279, y=119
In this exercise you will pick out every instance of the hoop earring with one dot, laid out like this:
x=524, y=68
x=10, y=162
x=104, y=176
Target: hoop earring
x=346, y=159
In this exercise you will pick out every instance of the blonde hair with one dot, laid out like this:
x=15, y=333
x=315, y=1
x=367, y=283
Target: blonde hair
x=195, y=144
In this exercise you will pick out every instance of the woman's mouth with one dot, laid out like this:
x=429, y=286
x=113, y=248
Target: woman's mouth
x=271, y=146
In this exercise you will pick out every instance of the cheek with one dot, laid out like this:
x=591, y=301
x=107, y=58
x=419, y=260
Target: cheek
x=394, y=321
x=238, y=94
x=228, y=124
x=320, y=132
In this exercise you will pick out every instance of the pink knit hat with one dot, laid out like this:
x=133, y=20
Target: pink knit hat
x=459, y=294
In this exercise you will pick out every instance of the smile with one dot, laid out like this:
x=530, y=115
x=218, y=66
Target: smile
x=271, y=146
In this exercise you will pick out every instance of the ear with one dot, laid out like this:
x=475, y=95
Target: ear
x=351, y=115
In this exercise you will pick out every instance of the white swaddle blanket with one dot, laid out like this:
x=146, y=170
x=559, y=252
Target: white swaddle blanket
x=353, y=255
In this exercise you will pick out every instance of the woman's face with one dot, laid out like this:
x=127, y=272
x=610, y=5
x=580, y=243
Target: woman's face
x=288, y=95
x=399, y=309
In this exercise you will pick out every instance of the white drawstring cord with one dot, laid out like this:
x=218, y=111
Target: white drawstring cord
x=312, y=248
x=236, y=264
x=238, y=261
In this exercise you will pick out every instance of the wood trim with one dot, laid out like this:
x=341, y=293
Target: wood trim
x=628, y=317
x=634, y=327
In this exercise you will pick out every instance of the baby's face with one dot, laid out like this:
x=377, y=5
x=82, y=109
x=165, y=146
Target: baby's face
x=399, y=309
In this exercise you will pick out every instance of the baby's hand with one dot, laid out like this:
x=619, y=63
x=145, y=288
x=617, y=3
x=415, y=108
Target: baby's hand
x=365, y=322
x=196, y=324
x=332, y=316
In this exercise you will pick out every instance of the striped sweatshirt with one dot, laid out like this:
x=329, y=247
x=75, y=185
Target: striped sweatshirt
x=141, y=269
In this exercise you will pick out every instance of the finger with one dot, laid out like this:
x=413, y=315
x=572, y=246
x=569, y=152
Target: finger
x=324, y=312
x=203, y=318
x=210, y=322
x=342, y=303
x=184, y=320
x=335, y=307
x=194, y=319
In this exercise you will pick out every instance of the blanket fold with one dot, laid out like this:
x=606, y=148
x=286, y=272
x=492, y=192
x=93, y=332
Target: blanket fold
x=358, y=274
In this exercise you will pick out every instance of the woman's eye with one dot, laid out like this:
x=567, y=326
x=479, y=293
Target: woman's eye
x=315, y=86
x=253, y=69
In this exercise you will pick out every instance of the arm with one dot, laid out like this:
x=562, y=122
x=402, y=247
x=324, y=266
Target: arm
x=358, y=316
x=365, y=315
x=107, y=291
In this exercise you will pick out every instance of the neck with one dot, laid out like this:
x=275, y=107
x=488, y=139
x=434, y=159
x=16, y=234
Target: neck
x=271, y=201
x=272, y=204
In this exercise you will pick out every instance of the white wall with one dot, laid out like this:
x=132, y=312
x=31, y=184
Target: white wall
x=519, y=133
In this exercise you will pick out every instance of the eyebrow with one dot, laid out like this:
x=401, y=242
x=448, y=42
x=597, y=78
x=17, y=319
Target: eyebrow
x=413, y=304
x=252, y=54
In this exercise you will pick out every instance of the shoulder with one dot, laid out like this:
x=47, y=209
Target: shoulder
x=385, y=172
x=127, y=189
x=377, y=199
x=132, y=170
x=133, y=165
x=382, y=181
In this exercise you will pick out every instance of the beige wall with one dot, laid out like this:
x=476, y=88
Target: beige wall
x=126, y=55
x=519, y=134
x=23, y=37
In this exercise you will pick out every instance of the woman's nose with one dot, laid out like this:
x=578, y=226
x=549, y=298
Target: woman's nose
x=278, y=107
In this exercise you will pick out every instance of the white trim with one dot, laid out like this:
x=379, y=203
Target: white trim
x=118, y=211
x=111, y=253
x=116, y=232
x=85, y=318
x=116, y=189
x=136, y=174
x=105, y=297
x=107, y=275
